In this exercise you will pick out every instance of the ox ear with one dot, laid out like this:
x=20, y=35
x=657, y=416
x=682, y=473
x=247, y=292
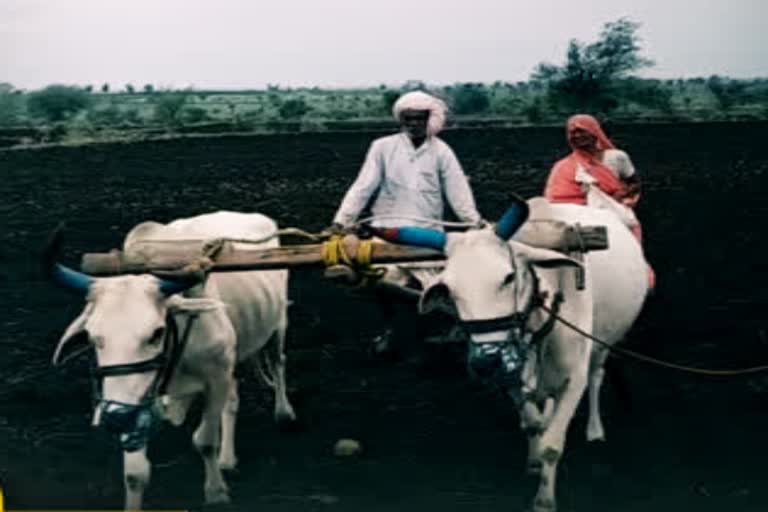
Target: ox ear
x=73, y=332
x=545, y=258
x=178, y=304
x=437, y=297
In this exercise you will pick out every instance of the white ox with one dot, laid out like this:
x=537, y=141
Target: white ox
x=498, y=286
x=151, y=344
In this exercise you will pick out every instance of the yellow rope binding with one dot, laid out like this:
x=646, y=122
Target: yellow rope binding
x=334, y=253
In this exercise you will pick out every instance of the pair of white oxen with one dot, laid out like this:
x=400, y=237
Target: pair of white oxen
x=156, y=345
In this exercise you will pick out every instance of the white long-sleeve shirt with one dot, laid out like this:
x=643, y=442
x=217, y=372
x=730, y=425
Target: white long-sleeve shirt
x=409, y=181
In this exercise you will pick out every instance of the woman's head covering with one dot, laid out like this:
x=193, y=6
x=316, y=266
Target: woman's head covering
x=592, y=125
x=418, y=100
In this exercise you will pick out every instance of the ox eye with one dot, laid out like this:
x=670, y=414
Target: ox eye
x=508, y=279
x=157, y=336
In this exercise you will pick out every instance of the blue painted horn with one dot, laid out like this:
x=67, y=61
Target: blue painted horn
x=411, y=235
x=70, y=279
x=513, y=218
x=63, y=276
x=169, y=287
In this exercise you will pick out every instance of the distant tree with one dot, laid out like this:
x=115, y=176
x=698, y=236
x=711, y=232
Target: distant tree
x=149, y=89
x=88, y=88
x=57, y=102
x=587, y=78
x=130, y=89
x=105, y=88
x=294, y=108
x=109, y=116
x=654, y=94
x=470, y=99
x=388, y=99
x=168, y=106
x=10, y=104
x=414, y=85
x=534, y=110
x=194, y=115
x=727, y=92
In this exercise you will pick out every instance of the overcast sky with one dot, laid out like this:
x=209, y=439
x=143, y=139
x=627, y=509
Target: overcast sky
x=340, y=43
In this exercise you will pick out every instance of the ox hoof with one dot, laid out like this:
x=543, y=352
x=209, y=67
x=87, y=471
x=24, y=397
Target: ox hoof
x=217, y=497
x=595, y=432
x=228, y=464
x=543, y=505
x=287, y=422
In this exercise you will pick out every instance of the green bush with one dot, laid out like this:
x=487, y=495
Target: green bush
x=470, y=99
x=194, y=115
x=11, y=104
x=294, y=108
x=168, y=107
x=57, y=102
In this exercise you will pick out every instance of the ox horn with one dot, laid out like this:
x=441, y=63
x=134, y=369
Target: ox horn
x=169, y=287
x=513, y=218
x=63, y=276
x=176, y=281
x=411, y=235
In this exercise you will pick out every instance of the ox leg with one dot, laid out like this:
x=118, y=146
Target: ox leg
x=208, y=435
x=284, y=413
x=136, y=473
x=227, y=457
x=552, y=441
x=534, y=421
x=595, y=430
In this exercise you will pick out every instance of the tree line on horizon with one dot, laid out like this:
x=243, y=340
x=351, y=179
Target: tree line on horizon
x=598, y=78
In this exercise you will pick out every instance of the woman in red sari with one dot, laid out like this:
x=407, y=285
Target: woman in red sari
x=609, y=167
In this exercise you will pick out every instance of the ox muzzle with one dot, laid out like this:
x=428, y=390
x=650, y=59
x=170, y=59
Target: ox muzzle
x=135, y=423
x=501, y=362
x=498, y=361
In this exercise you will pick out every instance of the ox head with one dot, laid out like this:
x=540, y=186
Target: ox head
x=126, y=320
x=489, y=279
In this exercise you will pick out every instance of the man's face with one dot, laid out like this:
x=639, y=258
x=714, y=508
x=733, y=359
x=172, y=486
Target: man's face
x=580, y=138
x=414, y=122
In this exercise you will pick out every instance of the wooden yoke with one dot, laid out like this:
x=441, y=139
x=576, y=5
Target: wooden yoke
x=163, y=256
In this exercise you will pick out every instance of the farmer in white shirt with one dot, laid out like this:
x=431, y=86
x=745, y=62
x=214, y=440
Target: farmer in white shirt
x=406, y=178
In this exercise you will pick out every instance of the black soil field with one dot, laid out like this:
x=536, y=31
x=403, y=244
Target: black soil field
x=432, y=439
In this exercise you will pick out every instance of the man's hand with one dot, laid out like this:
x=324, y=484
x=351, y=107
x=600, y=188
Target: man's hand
x=631, y=201
x=334, y=229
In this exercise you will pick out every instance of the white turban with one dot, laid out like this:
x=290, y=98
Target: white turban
x=418, y=100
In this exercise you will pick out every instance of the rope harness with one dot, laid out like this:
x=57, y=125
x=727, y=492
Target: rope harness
x=164, y=363
x=334, y=253
x=654, y=361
